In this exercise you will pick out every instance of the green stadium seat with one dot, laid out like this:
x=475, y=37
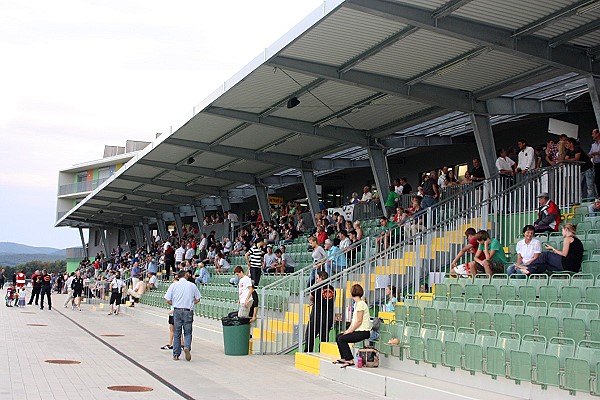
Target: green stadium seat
x=548, y=294
x=523, y=360
x=480, y=280
x=502, y=322
x=400, y=313
x=463, y=319
x=572, y=294
x=549, y=365
x=493, y=306
x=482, y=320
x=548, y=326
x=507, y=292
x=430, y=315
x=489, y=292
x=560, y=310
x=440, y=290
x=582, y=281
x=537, y=281
x=574, y=328
x=417, y=348
x=595, y=330
x=591, y=267
x=474, y=352
x=587, y=312
x=592, y=295
x=446, y=316
x=524, y=324
x=456, y=303
x=473, y=305
x=514, y=307
x=581, y=370
x=472, y=291
x=414, y=314
x=456, y=290
x=440, y=302
x=526, y=293
x=410, y=329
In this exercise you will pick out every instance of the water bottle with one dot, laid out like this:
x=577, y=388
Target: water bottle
x=359, y=362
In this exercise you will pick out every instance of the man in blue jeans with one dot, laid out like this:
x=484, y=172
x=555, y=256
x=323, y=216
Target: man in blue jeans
x=183, y=295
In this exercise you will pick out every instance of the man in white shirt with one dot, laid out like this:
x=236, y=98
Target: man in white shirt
x=151, y=281
x=442, y=178
x=233, y=217
x=136, y=293
x=528, y=249
x=179, y=253
x=190, y=252
x=367, y=195
x=183, y=295
x=504, y=164
x=526, y=157
x=245, y=288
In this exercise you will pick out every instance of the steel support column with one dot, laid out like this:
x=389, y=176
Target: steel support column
x=139, y=236
x=381, y=173
x=484, y=137
x=162, y=229
x=225, y=205
x=178, y=224
x=262, y=196
x=104, y=242
x=310, y=188
x=199, y=213
x=593, y=83
x=127, y=236
x=148, y=234
x=85, y=248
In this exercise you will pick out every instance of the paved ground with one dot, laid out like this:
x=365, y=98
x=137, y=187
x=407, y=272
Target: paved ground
x=74, y=335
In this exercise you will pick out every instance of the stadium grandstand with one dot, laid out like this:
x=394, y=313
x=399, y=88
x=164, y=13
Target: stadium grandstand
x=358, y=95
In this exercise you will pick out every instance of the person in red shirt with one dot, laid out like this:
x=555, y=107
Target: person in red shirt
x=548, y=215
x=470, y=248
x=21, y=277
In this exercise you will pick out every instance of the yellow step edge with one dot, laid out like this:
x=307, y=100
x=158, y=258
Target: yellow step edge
x=308, y=363
x=330, y=349
x=387, y=316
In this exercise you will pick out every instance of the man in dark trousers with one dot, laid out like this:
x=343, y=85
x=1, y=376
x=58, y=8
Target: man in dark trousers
x=46, y=289
x=36, y=281
x=321, y=315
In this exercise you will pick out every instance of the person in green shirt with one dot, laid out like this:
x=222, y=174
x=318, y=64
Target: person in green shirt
x=494, y=260
x=389, y=230
x=390, y=202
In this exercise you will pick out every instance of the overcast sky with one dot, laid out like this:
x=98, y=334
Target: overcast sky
x=76, y=75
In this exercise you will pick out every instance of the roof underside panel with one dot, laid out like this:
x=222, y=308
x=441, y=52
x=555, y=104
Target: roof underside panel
x=324, y=100
x=415, y=54
x=262, y=90
x=142, y=170
x=212, y=160
x=169, y=154
x=249, y=166
x=205, y=128
x=254, y=137
x=348, y=33
x=304, y=145
x=497, y=66
x=511, y=14
x=381, y=113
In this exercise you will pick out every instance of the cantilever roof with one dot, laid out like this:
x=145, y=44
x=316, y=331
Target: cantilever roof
x=366, y=72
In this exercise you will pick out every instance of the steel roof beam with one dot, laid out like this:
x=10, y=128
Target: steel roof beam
x=241, y=177
x=424, y=93
x=530, y=47
x=302, y=127
x=511, y=106
x=153, y=195
x=423, y=141
x=449, y=8
x=517, y=82
x=339, y=163
x=201, y=189
x=239, y=152
x=574, y=33
x=134, y=203
x=550, y=18
x=408, y=121
x=280, y=180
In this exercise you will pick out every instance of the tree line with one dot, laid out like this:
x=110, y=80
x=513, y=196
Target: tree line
x=30, y=267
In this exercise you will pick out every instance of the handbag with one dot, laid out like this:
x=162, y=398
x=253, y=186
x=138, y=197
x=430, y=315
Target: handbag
x=370, y=357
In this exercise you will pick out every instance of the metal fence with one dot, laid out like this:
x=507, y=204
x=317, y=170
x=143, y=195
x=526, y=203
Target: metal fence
x=407, y=258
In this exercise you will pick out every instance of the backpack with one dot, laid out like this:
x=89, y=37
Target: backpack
x=370, y=357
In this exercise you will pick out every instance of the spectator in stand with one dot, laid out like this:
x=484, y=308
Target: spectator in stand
x=201, y=273
x=528, y=250
x=397, y=186
x=360, y=327
x=287, y=263
x=268, y=259
x=334, y=258
x=321, y=316
x=477, y=174
x=451, y=179
x=548, y=215
x=406, y=188
x=321, y=235
x=152, y=283
x=551, y=153
x=554, y=260
x=221, y=263
x=254, y=259
x=526, y=157
x=227, y=246
x=391, y=298
x=595, y=206
x=504, y=165
x=151, y=264
x=576, y=153
x=430, y=190
x=300, y=224
x=494, y=255
x=169, y=260
x=358, y=230
x=318, y=255
x=467, y=179
x=252, y=217
x=136, y=274
x=367, y=195
x=189, y=252
x=388, y=228
x=354, y=198
x=390, y=202
x=136, y=293
x=595, y=157
x=471, y=248
x=399, y=216
x=442, y=178
x=418, y=214
x=179, y=254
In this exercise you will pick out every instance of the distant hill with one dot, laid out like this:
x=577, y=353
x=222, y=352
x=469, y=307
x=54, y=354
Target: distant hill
x=17, y=248
x=12, y=254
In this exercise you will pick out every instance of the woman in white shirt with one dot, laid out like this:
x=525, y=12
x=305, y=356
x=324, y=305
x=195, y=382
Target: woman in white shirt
x=116, y=293
x=360, y=327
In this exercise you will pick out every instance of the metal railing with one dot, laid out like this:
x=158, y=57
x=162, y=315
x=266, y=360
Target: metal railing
x=406, y=257
x=80, y=187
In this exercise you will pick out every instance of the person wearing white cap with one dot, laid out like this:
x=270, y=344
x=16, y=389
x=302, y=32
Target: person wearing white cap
x=548, y=215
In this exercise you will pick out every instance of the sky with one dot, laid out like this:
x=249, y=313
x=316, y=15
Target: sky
x=78, y=75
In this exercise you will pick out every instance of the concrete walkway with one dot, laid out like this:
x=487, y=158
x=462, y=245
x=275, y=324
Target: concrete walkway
x=74, y=335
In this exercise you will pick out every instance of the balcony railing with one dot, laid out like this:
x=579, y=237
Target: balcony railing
x=80, y=187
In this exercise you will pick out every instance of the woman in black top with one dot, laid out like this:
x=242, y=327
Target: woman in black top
x=568, y=259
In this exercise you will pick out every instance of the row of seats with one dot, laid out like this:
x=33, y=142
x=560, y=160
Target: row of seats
x=579, y=322
x=557, y=361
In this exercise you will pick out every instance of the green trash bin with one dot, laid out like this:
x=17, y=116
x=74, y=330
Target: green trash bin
x=236, y=336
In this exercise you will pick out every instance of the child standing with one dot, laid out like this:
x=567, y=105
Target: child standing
x=22, y=296
x=9, y=295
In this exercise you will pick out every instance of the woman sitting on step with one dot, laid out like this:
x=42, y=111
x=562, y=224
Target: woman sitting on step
x=360, y=327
